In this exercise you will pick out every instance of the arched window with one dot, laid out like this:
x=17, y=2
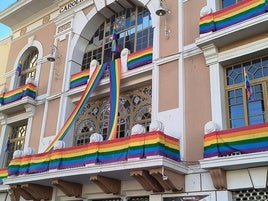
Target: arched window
x=28, y=64
x=133, y=31
x=16, y=140
x=134, y=108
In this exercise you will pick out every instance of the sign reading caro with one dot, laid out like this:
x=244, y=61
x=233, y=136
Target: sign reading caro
x=70, y=5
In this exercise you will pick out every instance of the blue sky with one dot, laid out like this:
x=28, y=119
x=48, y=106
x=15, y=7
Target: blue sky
x=5, y=30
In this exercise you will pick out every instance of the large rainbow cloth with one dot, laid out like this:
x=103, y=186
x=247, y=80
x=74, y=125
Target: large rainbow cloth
x=92, y=83
x=237, y=13
x=115, y=72
x=248, y=139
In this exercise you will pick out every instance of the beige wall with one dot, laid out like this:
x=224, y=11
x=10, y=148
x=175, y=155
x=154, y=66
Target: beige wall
x=4, y=49
x=197, y=100
x=52, y=117
x=59, y=67
x=191, y=20
x=170, y=45
x=36, y=127
x=168, y=86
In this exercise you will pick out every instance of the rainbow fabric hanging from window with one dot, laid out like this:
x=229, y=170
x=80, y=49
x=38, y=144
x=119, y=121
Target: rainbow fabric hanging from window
x=92, y=83
x=115, y=73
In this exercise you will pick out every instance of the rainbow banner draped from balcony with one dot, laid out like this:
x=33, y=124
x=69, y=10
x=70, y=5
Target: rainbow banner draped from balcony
x=121, y=149
x=79, y=79
x=248, y=139
x=91, y=85
x=236, y=13
x=3, y=174
x=140, y=58
x=28, y=90
x=115, y=75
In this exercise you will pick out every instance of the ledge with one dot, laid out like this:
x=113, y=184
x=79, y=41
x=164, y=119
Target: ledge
x=236, y=162
x=237, y=32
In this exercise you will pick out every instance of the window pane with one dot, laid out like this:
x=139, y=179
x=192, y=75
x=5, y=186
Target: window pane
x=226, y=3
x=236, y=123
x=134, y=108
x=129, y=23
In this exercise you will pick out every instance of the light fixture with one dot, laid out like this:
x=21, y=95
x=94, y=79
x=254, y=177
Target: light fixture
x=162, y=10
x=51, y=57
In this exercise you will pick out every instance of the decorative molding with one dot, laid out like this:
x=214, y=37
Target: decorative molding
x=64, y=27
x=169, y=180
x=108, y=185
x=218, y=176
x=147, y=181
x=68, y=188
x=211, y=54
x=46, y=19
x=23, y=31
x=31, y=192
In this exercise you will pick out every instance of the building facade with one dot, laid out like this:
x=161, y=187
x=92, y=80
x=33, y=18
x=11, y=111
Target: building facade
x=135, y=100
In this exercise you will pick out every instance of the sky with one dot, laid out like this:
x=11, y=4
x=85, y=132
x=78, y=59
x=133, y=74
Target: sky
x=5, y=30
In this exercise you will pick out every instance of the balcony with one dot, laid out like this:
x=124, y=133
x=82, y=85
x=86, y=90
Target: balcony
x=147, y=157
x=243, y=20
x=128, y=62
x=236, y=148
x=17, y=99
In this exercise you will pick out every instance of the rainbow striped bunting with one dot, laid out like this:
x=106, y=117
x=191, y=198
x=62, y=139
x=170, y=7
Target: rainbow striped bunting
x=136, y=146
x=93, y=82
x=115, y=73
x=18, y=93
x=140, y=58
x=239, y=12
x=79, y=79
x=3, y=174
x=248, y=139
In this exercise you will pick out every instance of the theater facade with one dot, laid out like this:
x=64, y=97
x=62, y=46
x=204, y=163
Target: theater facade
x=134, y=100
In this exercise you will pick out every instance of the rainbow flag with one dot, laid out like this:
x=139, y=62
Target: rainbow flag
x=3, y=174
x=18, y=93
x=248, y=139
x=140, y=58
x=19, y=68
x=239, y=12
x=115, y=46
x=93, y=82
x=247, y=86
x=121, y=149
x=115, y=75
x=79, y=79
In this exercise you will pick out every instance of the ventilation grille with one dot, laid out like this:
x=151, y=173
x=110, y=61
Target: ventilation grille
x=252, y=194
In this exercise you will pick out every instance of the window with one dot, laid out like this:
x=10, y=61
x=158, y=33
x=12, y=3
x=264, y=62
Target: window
x=134, y=31
x=242, y=111
x=29, y=63
x=134, y=108
x=16, y=140
x=227, y=3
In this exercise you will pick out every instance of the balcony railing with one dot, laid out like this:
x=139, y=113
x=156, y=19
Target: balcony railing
x=136, y=146
x=229, y=16
x=28, y=90
x=133, y=61
x=245, y=140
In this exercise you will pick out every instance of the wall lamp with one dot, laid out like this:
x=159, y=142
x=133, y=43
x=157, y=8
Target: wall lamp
x=51, y=57
x=162, y=11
